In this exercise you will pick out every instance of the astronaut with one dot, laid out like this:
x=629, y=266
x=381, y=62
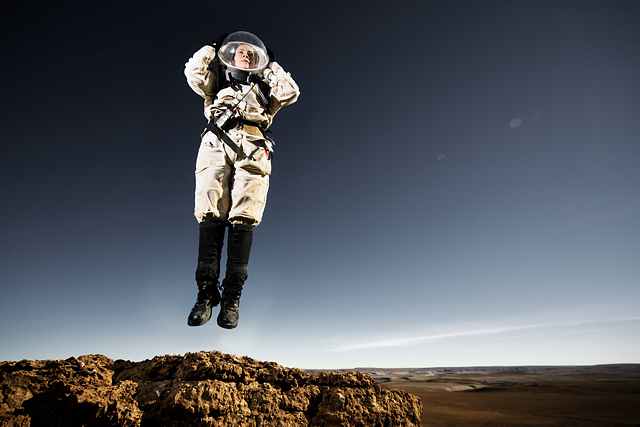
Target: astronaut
x=243, y=88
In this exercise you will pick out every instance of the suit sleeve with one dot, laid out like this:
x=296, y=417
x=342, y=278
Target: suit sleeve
x=285, y=91
x=202, y=80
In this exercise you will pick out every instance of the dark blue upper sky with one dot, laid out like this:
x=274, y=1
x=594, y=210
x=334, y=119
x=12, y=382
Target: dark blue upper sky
x=458, y=183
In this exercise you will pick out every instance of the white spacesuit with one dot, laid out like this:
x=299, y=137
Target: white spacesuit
x=243, y=88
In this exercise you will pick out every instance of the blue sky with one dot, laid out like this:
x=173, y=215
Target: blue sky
x=458, y=184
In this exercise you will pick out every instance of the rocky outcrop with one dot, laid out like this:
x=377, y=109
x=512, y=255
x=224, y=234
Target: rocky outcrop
x=197, y=389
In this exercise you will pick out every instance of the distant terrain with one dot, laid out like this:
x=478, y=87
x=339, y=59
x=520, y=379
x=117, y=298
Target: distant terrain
x=476, y=377
x=580, y=396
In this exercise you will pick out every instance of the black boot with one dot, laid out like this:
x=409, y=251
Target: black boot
x=208, y=271
x=240, y=239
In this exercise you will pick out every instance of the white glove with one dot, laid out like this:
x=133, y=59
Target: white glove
x=268, y=74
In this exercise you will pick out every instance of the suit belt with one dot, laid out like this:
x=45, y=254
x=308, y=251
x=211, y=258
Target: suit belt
x=245, y=126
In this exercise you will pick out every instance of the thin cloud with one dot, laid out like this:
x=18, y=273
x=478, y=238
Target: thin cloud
x=403, y=342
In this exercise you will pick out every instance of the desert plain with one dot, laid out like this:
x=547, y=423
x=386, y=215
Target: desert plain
x=580, y=396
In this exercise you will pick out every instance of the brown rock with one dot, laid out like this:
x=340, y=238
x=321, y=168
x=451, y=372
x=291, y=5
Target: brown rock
x=197, y=389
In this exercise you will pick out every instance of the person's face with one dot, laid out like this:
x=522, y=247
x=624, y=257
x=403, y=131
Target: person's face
x=245, y=57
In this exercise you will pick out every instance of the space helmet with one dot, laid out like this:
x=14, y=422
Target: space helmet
x=233, y=41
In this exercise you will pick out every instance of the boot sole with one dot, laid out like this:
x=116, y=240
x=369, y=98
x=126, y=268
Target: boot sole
x=226, y=325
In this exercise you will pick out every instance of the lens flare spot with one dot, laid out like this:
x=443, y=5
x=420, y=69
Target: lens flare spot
x=516, y=122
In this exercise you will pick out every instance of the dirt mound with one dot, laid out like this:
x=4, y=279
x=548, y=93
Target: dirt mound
x=197, y=389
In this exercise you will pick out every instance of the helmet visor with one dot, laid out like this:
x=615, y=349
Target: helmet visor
x=244, y=51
